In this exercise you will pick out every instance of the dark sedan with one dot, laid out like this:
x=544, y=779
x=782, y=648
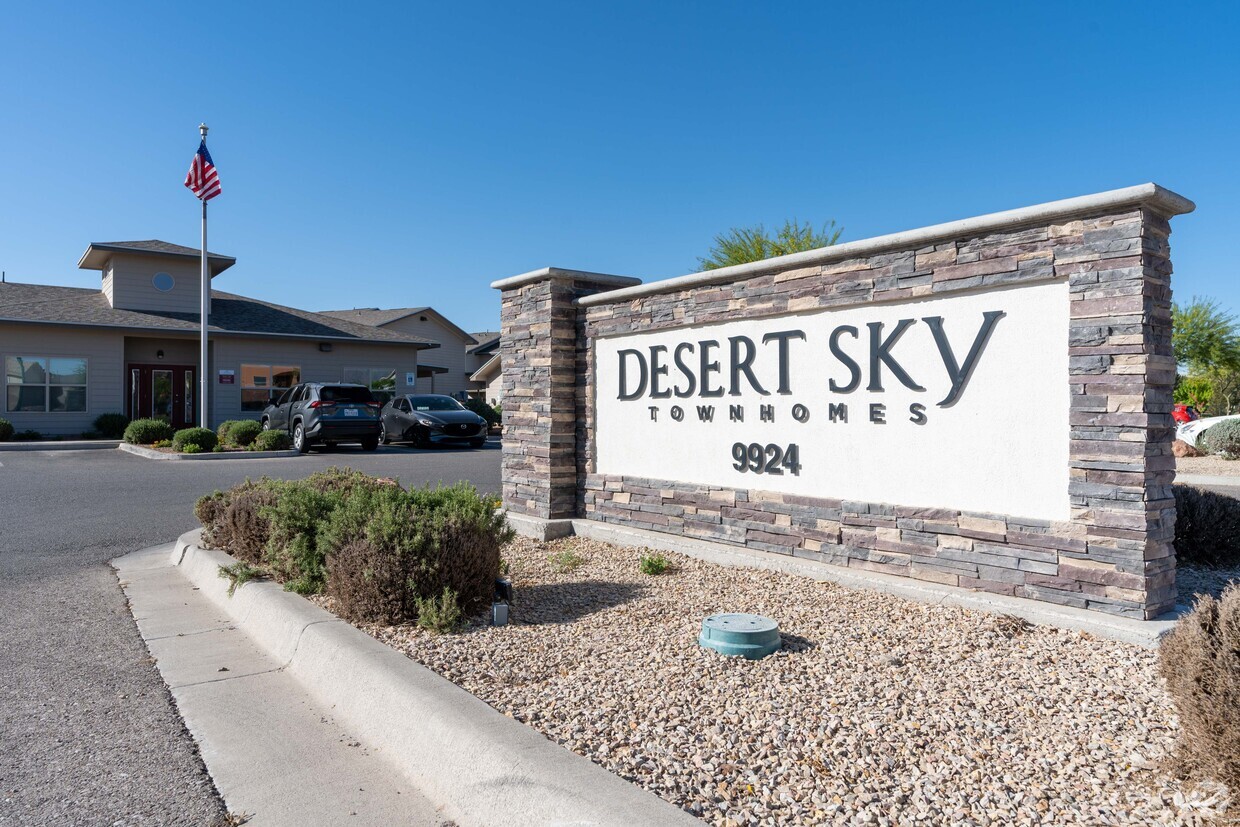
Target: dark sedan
x=431, y=419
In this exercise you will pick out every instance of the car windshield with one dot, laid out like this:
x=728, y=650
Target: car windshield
x=434, y=403
x=345, y=393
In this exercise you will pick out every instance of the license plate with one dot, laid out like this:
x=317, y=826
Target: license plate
x=350, y=411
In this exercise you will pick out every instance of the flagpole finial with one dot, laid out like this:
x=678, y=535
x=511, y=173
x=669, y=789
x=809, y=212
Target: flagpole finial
x=202, y=129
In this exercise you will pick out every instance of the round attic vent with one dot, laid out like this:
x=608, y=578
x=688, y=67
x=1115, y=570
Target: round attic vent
x=163, y=282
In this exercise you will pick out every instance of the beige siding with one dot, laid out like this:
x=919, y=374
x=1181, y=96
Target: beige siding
x=132, y=289
x=230, y=353
x=495, y=393
x=450, y=354
x=104, y=352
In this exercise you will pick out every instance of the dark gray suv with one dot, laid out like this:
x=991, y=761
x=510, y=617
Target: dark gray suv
x=325, y=413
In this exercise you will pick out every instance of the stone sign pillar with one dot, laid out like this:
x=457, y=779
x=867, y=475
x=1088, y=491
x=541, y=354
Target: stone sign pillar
x=983, y=404
x=539, y=350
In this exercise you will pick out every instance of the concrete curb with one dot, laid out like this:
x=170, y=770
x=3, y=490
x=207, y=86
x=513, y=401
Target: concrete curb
x=1145, y=633
x=61, y=445
x=1217, y=480
x=485, y=767
x=151, y=453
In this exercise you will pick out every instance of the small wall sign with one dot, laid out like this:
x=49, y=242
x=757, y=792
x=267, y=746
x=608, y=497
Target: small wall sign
x=410, y=379
x=228, y=377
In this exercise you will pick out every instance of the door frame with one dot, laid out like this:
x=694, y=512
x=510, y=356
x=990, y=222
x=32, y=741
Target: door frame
x=180, y=390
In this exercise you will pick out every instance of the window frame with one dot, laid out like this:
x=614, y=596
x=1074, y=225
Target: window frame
x=255, y=369
x=47, y=384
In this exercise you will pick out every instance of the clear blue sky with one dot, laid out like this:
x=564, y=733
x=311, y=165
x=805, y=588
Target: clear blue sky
x=409, y=154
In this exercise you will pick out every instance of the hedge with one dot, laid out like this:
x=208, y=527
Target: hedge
x=111, y=425
x=147, y=431
x=202, y=439
x=6, y=430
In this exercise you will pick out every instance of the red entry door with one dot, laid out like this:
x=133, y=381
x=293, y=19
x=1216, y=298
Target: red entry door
x=163, y=392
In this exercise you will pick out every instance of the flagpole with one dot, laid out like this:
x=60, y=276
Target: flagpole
x=204, y=379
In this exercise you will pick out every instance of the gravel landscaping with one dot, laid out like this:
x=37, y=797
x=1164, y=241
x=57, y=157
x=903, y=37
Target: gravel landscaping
x=878, y=710
x=1214, y=466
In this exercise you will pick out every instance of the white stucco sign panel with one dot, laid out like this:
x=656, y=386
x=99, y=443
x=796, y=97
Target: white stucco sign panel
x=957, y=403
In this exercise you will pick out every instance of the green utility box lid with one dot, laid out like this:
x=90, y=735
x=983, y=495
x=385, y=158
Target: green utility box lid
x=750, y=636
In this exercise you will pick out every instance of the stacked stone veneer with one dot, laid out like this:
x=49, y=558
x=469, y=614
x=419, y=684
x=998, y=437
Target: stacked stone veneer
x=1114, y=554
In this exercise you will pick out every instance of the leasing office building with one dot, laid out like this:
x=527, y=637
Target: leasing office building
x=71, y=354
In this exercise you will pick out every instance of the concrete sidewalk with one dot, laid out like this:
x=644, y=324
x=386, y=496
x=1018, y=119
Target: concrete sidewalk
x=274, y=752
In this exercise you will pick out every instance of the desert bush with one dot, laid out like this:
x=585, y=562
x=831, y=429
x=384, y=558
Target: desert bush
x=271, y=441
x=234, y=520
x=1224, y=438
x=111, y=425
x=439, y=614
x=1200, y=661
x=238, y=433
x=1207, y=527
x=346, y=481
x=190, y=448
x=238, y=574
x=293, y=552
x=654, y=564
x=147, y=431
x=163, y=443
x=6, y=430
x=566, y=561
x=390, y=549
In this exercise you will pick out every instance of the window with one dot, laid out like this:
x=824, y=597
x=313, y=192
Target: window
x=42, y=384
x=261, y=384
x=377, y=379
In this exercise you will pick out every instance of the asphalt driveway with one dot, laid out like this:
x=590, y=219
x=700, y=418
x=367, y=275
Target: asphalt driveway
x=88, y=732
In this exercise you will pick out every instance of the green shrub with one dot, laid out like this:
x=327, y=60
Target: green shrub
x=1200, y=661
x=390, y=549
x=654, y=564
x=1224, y=438
x=1200, y=443
x=1194, y=390
x=239, y=574
x=566, y=561
x=6, y=430
x=147, y=431
x=111, y=425
x=234, y=520
x=293, y=553
x=27, y=435
x=483, y=410
x=441, y=614
x=271, y=441
x=238, y=433
x=1207, y=527
x=163, y=443
x=202, y=439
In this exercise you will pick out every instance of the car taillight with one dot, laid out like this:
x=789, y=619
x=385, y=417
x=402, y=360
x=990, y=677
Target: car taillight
x=373, y=405
x=319, y=403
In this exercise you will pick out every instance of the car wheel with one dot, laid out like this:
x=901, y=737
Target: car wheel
x=266, y=424
x=383, y=434
x=300, y=442
x=477, y=443
x=420, y=439
x=370, y=444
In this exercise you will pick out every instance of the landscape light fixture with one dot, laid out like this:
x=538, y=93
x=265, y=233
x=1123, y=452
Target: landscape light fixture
x=159, y=354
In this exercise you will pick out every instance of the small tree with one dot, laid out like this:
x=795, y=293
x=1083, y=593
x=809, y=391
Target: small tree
x=741, y=245
x=1194, y=390
x=1204, y=337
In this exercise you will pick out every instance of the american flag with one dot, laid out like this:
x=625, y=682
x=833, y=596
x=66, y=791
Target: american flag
x=202, y=179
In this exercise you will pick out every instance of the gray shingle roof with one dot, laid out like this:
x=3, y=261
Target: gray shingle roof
x=488, y=340
x=230, y=314
x=98, y=252
x=373, y=315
